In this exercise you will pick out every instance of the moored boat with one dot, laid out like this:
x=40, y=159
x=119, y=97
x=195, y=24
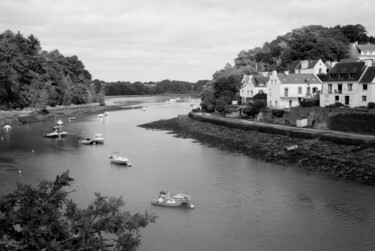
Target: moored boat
x=116, y=158
x=167, y=199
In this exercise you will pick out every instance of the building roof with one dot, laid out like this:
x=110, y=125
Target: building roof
x=346, y=71
x=369, y=75
x=366, y=47
x=350, y=60
x=311, y=64
x=260, y=80
x=298, y=78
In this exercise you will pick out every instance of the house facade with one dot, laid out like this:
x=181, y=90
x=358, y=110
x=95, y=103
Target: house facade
x=351, y=84
x=252, y=85
x=364, y=52
x=311, y=67
x=288, y=90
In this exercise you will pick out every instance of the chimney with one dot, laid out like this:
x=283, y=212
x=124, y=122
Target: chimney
x=304, y=64
x=274, y=73
x=286, y=72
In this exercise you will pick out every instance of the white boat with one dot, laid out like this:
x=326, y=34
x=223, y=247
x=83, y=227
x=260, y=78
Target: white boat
x=100, y=115
x=167, y=199
x=55, y=134
x=97, y=139
x=143, y=109
x=7, y=127
x=116, y=158
x=59, y=122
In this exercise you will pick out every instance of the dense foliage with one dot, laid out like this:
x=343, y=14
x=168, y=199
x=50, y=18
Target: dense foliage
x=42, y=218
x=352, y=122
x=150, y=88
x=31, y=77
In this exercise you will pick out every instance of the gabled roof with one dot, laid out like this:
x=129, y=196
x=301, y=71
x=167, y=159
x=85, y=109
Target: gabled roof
x=349, y=60
x=366, y=47
x=260, y=80
x=298, y=78
x=311, y=64
x=369, y=75
x=344, y=71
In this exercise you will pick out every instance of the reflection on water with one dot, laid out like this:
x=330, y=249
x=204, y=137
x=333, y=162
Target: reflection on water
x=241, y=203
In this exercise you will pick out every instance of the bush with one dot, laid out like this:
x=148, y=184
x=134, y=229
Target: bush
x=220, y=105
x=278, y=113
x=371, y=105
x=210, y=108
x=352, y=122
x=196, y=110
x=310, y=103
x=42, y=218
x=255, y=107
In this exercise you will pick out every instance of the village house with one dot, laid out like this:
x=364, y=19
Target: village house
x=288, y=90
x=252, y=85
x=351, y=84
x=311, y=66
x=364, y=52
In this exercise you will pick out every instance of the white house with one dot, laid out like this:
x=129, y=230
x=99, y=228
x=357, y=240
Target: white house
x=311, y=66
x=352, y=84
x=252, y=85
x=287, y=90
x=364, y=52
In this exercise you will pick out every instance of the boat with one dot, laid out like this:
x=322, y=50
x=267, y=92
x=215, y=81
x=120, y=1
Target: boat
x=292, y=147
x=7, y=127
x=72, y=118
x=55, y=134
x=143, y=109
x=97, y=139
x=59, y=122
x=106, y=113
x=166, y=199
x=100, y=115
x=116, y=158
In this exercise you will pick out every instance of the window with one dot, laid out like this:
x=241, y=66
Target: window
x=364, y=98
x=365, y=87
x=299, y=90
x=260, y=91
x=247, y=92
x=337, y=98
x=251, y=93
x=285, y=92
x=330, y=88
x=308, y=91
x=350, y=87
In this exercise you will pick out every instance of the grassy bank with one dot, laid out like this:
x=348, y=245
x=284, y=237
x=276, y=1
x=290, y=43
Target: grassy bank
x=336, y=160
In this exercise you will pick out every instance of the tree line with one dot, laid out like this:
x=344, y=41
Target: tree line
x=281, y=54
x=32, y=77
x=149, y=88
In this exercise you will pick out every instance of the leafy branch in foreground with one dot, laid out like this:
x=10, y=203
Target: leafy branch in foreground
x=42, y=218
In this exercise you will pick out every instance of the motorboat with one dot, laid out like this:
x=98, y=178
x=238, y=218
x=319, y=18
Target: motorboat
x=143, y=109
x=166, y=199
x=97, y=139
x=116, y=158
x=59, y=122
x=101, y=115
x=106, y=113
x=7, y=127
x=55, y=134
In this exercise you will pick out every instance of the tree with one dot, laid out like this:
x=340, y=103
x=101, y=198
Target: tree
x=42, y=218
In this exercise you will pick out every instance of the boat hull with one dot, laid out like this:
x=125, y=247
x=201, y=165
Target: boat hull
x=165, y=204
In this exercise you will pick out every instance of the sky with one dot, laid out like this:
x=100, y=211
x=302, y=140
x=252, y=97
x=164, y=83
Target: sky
x=154, y=40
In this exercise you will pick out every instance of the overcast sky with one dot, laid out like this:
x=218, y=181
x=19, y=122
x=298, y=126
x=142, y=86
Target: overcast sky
x=152, y=40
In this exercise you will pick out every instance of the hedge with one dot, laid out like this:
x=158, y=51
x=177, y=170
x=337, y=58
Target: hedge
x=352, y=122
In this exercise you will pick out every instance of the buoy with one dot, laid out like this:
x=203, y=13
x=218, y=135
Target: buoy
x=192, y=206
x=19, y=171
x=32, y=151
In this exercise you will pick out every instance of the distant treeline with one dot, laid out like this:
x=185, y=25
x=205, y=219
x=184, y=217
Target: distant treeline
x=31, y=77
x=149, y=88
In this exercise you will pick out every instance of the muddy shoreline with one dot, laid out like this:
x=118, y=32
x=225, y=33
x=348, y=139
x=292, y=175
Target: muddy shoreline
x=338, y=161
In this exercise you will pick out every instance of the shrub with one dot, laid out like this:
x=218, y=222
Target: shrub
x=371, y=105
x=278, y=113
x=310, y=103
x=220, y=105
x=352, y=122
x=196, y=110
x=42, y=218
x=210, y=108
x=255, y=107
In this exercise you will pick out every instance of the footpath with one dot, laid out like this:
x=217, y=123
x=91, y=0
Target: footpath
x=299, y=132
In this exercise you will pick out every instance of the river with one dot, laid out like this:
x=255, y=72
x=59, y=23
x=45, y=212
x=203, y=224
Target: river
x=240, y=203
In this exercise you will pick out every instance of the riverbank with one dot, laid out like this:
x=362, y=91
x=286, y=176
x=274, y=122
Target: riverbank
x=343, y=161
x=31, y=115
